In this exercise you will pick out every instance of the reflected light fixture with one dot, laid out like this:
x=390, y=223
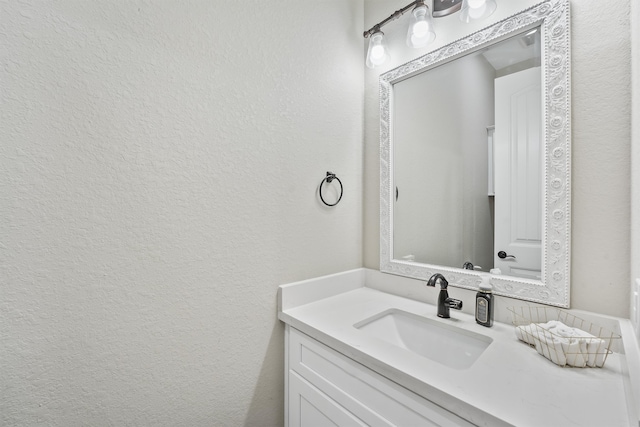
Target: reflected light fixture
x=420, y=32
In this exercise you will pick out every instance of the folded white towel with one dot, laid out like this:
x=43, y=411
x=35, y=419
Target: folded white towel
x=595, y=348
x=574, y=348
x=526, y=333
x=598, y=350
x=550, y=347
x=530, y=333
x=538, y=335
x=563, y=344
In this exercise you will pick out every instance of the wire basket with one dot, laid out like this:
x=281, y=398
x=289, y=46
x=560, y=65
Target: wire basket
x=563, y=338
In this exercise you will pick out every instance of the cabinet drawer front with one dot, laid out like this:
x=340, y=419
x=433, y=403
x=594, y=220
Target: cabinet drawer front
x=373, y=398
x=309, y=407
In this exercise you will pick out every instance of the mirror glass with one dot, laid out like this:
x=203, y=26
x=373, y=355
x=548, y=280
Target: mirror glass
x=452, y=129
x=475, y=159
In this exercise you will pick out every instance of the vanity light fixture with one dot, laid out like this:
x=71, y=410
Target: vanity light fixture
x=420, y=31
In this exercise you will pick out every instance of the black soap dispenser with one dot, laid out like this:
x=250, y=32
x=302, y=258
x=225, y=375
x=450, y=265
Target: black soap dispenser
x=484, y=303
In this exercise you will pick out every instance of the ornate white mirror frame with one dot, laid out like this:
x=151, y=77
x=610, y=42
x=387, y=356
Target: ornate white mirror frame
x=552, y=16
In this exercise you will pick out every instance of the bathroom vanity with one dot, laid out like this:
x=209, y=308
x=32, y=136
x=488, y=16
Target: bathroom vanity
x=344, y=365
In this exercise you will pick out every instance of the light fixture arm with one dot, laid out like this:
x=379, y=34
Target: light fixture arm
x=397, y=14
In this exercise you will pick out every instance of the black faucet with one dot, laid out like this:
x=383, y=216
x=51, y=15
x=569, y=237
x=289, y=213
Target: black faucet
x=444, y=302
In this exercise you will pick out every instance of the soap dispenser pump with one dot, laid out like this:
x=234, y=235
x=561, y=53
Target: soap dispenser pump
x=484, y=303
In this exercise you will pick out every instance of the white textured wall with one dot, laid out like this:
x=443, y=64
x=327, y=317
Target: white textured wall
x=601, y=151
x=601, y=135
x=635, y=159
x=158, y=174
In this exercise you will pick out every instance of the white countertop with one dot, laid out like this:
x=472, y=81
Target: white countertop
x=510, y=384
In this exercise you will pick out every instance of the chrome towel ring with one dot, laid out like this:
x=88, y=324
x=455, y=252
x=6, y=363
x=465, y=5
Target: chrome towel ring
x=330, y=177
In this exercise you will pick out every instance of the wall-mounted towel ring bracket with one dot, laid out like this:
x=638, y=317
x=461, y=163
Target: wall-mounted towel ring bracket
x=330, y=177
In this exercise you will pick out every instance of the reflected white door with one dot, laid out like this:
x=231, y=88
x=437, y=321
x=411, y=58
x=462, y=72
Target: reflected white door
x=518, y=174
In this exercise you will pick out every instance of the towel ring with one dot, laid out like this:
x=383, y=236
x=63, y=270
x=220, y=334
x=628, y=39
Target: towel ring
x=330, y=177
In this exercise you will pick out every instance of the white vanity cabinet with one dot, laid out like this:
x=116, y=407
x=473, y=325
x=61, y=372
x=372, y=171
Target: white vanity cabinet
x=338, y=374
x=325, y=388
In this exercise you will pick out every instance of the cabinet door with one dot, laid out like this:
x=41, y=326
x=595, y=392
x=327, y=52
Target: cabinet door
x=366, y=397
x=309, y=407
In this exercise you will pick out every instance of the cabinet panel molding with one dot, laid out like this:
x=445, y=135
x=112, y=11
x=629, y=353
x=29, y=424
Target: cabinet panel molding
x=370, y=397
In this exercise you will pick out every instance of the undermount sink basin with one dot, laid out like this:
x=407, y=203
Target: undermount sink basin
x=434, y=339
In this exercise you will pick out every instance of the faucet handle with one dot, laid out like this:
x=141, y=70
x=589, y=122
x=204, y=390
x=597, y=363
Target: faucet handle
x=454, y=303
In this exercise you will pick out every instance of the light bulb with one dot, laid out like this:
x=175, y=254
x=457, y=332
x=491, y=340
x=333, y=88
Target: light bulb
x=477, y=9
x=420, y=32
x=474, y=4
x=476, y=12
x=377, y=54
x=420, y=29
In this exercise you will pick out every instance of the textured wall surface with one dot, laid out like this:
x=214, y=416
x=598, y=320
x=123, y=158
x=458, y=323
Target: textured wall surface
x=601, y=177
x=635, y=161
x=600, y=142
x=159, y=168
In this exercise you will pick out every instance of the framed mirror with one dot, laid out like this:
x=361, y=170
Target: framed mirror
x=475, y=159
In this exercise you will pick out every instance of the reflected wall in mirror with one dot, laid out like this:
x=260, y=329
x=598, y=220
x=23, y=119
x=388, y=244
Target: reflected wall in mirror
x=475, y=159
x=462, y=200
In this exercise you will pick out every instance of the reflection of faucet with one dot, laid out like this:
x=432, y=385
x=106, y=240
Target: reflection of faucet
x=444, y=302
x=469, y=266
